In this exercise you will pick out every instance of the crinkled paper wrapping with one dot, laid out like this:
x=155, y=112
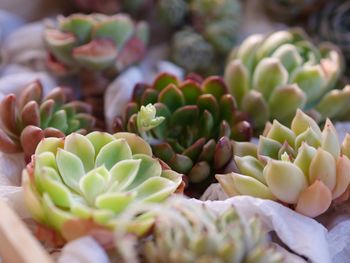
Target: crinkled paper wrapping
x=25, y=46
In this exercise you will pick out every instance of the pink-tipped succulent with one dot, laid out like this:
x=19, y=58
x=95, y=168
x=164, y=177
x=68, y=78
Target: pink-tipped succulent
x=301, y=166
x=96, y=42
x=190, y=126
x=96, y=47
x=30, y=117
x=80, y=185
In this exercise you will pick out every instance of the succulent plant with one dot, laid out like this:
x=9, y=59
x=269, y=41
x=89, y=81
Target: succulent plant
x=285, y=68
x=185, y=231
x=96, y=42
x=291, y=10
x=190, y=50
x=211, y=26
x=30, y=117
x=173, y=11
x=200, y=119
x=90, y=180
x=96, y=47
x=331, y=24
x=301, y=166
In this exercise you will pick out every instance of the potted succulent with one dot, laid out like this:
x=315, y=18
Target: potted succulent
x=302, y=167
x=28, y=118
x=190, y=126
x=96, y=47
x=79, y=185
x=286, y=68
x=186, y=231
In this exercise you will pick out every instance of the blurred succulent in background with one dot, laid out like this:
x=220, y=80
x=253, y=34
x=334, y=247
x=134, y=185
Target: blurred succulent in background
x=190, y=125
x=26, y=120
x=112, y=6
x=174, y=12
x=271, y=76
x=212, y=26
x=95, y=46
x=82, y=183
x=302, y=167
x=191, y=50
x=291, y=10
x=185, y=231
x=332, y=24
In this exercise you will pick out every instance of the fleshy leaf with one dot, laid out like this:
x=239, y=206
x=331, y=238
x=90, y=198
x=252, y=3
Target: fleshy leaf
x=124, y=172
x=285, y=180
x=81, y=147
x=116, y=202
x=52, y=183
x=92, y=185
x=71, y=168
x=155, y=189
x=112, y=153
x=149, y=168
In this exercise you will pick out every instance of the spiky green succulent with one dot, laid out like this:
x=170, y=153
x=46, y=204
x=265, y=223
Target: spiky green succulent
x=273, y=75
x=301, y=166
x=95, y=42
x=291, y=10
x=185, y=231
x=200, y=119
x=208, y=37
x=173, y=11
x=211, y=26
x=189, y=49
x=92, y=179
x=30, y=117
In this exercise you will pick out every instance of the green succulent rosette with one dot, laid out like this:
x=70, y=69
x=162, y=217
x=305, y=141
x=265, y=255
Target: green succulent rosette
x=273, y=75
x=90, y=180
x=95, y=42
x=207, y=30
x=28, y=118
x=190, y=126
x=301, y=166
x=185, y=231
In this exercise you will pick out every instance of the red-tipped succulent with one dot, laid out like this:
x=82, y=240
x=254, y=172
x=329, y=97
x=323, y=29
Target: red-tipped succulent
x=30, y=117
x=190, y=126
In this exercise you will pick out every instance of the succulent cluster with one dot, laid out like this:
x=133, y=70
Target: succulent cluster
x=92, y=179
x=95, y=42
x=212, y=26
x=285, y=68
x=332, y=24
x=291, y=10
x=190, y=125
x=302, y=166
x=26, y=120
x=187, y=232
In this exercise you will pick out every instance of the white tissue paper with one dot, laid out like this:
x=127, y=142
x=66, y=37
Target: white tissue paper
x=15, y=82
x=30, y=53
x=83, y=250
